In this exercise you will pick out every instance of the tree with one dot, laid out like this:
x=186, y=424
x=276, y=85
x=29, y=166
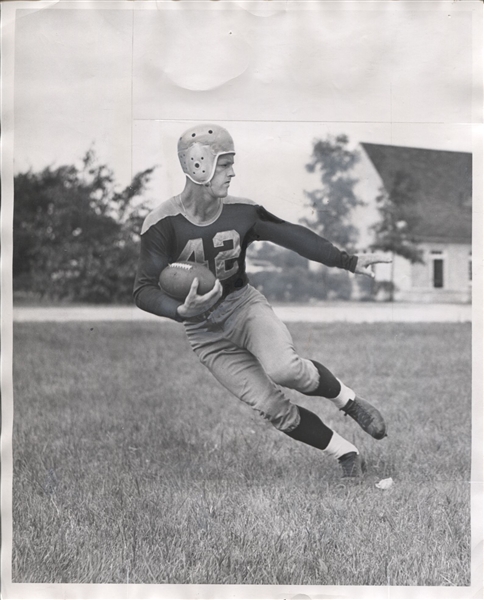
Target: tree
x=76, y=235
x=332, y=205
x=334, y=202
x=398, y=208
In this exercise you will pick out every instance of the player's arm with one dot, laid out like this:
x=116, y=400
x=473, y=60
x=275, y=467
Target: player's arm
x=310, y=245
x=147, y=294
x=150, y=297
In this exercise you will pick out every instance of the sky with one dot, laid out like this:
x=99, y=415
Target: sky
x=277, y=75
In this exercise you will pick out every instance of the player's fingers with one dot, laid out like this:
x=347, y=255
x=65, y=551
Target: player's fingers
x=204, y=297
x=365, y=271
x=215, y=292
x=220, y=289
x=193, y=290
x=381, y=258
x=372, y=259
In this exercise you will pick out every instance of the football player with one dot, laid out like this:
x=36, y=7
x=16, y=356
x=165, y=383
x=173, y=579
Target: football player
x=232, y=328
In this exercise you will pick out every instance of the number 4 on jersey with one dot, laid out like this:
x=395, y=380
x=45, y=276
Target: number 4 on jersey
x=194, y=252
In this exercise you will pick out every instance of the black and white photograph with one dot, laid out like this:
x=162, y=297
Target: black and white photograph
x=241, y=267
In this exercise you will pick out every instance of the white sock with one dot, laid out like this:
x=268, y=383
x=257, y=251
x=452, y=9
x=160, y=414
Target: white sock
x=338, y=446
x=342, y=398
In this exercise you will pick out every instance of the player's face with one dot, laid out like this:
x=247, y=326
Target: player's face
x=224, y=171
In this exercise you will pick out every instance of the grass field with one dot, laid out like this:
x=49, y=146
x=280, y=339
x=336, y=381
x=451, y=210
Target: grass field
x=131, y=464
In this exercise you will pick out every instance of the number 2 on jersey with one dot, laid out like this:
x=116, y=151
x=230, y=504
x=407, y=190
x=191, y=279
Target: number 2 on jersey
x=193, y=250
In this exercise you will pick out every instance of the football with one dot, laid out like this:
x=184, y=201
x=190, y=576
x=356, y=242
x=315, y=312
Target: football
x=177, y=278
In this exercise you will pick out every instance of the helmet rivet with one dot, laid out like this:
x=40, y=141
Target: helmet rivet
x=210, y=131
x=197, y=165
x=194, y=134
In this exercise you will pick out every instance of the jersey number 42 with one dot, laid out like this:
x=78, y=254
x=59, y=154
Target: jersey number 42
x=225, y=260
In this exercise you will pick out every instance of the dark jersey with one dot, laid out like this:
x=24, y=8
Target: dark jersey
x=221, y=244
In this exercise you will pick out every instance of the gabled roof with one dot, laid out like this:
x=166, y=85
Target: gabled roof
x=444, y=182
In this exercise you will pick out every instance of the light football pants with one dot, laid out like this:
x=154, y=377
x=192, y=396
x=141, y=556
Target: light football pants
x=251, y=352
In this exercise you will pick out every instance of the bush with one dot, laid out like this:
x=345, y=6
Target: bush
x=75, y=235
x=302, y=285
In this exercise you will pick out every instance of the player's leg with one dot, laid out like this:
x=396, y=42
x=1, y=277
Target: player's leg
x=240, y=373
x=365, y=414
x=258, y=329
x=311, y=429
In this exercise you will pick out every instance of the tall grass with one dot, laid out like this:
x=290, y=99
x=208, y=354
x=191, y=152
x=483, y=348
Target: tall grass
x=132, y=464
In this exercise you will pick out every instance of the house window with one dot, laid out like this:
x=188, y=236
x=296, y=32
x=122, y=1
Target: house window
x=437, y=269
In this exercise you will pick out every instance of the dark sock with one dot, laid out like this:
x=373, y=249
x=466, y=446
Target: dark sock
x=329, y=386
x=311, y=430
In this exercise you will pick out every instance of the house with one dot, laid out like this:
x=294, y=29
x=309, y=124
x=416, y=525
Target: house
x=443, y=230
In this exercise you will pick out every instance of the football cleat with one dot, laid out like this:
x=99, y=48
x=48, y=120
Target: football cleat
x=367, y=417
x=353, y=465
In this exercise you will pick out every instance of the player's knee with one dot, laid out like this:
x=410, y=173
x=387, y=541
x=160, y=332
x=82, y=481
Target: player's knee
x=284, y=373
x=284, y=416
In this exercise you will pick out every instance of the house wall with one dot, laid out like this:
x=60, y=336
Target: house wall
x=415, y=283
x=402, y=273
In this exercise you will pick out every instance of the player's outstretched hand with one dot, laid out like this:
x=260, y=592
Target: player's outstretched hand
x=195, y=304
x=363, y=266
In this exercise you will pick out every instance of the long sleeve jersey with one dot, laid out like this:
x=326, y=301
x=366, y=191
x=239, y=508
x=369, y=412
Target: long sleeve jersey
x=168, y=235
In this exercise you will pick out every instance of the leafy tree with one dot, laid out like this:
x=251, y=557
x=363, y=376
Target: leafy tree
x=398, y=208
x=332, y=205
x=334, y=201
x=76, y=234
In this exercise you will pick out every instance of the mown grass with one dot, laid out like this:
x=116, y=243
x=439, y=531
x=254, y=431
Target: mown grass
x=132, y=464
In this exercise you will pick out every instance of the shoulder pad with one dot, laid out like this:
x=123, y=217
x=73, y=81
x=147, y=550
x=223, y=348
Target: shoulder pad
x=170, y=208
x=236, y=200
